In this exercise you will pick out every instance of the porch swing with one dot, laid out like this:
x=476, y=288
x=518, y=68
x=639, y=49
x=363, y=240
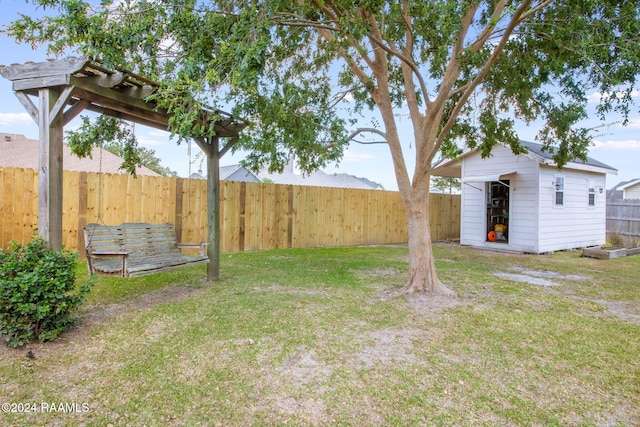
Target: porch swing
x=136, y=249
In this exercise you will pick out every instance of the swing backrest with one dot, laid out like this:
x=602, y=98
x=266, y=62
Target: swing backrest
x=139, y=240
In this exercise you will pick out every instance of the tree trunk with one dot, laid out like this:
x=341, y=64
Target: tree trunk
x=422, y=270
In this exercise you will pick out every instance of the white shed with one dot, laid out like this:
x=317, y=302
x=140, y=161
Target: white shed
x=524, y=203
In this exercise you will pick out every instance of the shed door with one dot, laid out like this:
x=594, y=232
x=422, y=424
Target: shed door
x=498, y=211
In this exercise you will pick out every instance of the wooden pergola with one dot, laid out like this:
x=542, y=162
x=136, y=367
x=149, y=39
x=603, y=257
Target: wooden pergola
x=56, y=91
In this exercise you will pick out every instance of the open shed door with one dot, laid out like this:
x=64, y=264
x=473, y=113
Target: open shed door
x=498, y=195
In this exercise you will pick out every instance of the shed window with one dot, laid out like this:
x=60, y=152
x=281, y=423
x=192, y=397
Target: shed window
x=559, y=190
x=592, y=193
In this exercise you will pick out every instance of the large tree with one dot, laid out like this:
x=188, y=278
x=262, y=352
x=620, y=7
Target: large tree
x=300, y=71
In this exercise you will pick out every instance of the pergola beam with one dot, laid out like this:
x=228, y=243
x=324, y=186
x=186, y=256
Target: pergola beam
x=28, y=105
x=72, y=112
x=62, y=101
x=125, y=116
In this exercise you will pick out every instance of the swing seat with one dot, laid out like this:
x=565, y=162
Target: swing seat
x=136, y=249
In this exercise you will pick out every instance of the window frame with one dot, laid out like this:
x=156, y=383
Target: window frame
x=558, y=191
x=591, y=193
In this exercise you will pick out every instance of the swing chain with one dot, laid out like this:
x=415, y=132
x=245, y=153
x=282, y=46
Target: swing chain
x=189, y=216
x=100, y=185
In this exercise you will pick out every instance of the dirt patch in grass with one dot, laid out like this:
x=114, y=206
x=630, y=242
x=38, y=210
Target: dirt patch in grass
x=548, y=274
x=619, y=309
x=285, y=389
x=298, y=386
x=98, y=314
x=622, y=310
x=537, y=277
x=312, y=410
x=389, y=346
x=431, y=306
x=525, y=278
x=304, y=367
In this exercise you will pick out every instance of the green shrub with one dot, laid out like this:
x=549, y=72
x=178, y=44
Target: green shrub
x=37, y=292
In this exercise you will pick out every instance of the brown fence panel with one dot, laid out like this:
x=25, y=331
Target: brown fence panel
x=254, y=216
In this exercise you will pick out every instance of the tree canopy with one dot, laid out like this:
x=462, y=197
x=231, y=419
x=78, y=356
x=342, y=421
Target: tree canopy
x=302, y=72
x=286, y=65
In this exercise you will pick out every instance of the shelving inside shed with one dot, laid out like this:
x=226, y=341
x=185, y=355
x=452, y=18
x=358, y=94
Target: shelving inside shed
x=498, y=211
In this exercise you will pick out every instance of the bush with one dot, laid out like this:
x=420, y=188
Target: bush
x=37, y=292
x=615, y=241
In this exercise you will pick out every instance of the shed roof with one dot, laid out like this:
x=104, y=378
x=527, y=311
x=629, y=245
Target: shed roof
x=452, y=167
x=538, y=150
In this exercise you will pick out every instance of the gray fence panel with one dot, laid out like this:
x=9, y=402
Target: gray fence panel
x=623, y=217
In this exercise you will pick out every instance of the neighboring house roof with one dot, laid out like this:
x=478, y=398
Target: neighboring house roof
x=629, y=184
x=237, y=173
x=617, y=192
x=370, y=183
x=291, y=176
x=452, y=167
x=231, y=173
x=18, y=151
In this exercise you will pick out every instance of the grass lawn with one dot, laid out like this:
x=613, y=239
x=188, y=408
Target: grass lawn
x=312, y=337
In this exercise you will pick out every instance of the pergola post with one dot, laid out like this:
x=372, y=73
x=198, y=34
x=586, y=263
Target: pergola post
x=213, y=209
x=50, y=169
x=211, y=147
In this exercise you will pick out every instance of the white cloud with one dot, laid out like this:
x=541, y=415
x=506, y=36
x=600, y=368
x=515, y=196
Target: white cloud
x=150, y=142
x=629, y=144
x=8, y=119
x=350, y=156
x=158, y=133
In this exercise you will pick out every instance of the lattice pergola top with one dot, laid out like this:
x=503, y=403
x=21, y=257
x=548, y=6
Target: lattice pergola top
x=87, y=84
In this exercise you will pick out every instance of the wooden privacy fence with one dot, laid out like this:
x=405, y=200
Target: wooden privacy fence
x=253, y=216
x=623, y=217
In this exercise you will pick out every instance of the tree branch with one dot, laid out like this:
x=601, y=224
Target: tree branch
x=359, y=131
x=328, y=36
x=535, y=9
x=404, y=60
x=339, y=97
x=429, y=143
x=293, y=20
x=515, y=20
x=453, y=67
x=382, y=97
x=488, y=30
x=408, y=71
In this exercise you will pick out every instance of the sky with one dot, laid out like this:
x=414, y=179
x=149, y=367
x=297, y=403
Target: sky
x=614, y=145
